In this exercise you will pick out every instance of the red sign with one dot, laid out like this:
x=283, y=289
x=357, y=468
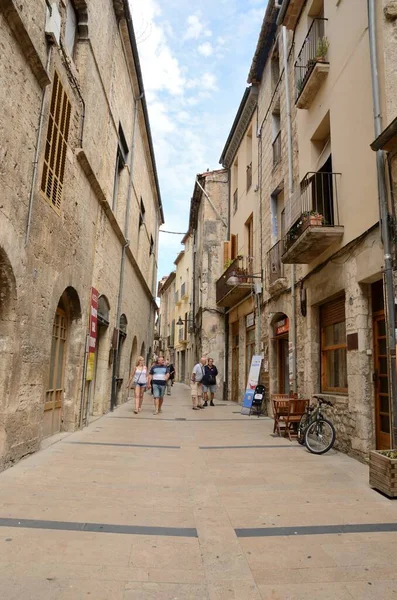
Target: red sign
x=282, y=326
x=93, y=320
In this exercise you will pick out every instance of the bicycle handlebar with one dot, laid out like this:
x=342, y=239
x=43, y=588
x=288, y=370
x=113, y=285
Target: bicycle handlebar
x=322, y=400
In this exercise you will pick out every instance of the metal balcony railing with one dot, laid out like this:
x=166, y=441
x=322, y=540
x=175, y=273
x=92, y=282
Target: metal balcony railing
x=314, y=50
x=275, y=266
x=249, y=176
x=315, y=203
x=236, y=268
x=276, y=149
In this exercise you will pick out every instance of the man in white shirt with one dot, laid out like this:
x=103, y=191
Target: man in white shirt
x=196, y=386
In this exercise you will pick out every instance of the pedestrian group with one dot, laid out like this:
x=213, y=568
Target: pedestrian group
x=160, y=379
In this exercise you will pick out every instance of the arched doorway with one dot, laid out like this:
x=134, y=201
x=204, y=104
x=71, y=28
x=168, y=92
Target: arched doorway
x=143, y=350
x=99, y=398
x=62, y=358
x=280, y=355
x=8, y=337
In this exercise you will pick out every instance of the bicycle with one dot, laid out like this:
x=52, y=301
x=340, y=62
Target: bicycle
x=314, y=430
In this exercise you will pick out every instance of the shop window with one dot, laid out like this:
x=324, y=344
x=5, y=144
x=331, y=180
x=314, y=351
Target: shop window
x=56, y=145
x=333, y=346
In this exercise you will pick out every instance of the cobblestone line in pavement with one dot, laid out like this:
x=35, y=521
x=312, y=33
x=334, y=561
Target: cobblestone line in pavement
x=148, y=480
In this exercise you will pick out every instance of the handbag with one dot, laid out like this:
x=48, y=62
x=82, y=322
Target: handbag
x=133, y=385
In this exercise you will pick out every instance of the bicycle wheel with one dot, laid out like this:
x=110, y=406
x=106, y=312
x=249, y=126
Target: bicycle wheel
x=320, y=436
x=303, y=423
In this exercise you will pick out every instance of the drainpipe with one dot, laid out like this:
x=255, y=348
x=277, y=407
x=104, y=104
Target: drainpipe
x=383, y=214
x=290, y=192
x=36, y=153
x=226, y=319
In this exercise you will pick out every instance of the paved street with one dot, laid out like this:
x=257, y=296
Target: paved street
x=192, y=506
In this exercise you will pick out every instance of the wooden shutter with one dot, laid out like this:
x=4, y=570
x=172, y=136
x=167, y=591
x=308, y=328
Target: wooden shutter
x=56, y=145
x=226, y=252
x=333, y=312
x=234, y=246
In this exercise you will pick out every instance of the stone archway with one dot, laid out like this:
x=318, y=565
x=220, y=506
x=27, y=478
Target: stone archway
x=99, y=399
x=62, y=399
x=8, y=342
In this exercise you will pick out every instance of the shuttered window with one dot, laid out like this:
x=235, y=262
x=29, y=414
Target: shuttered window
x=56, y=145
x=333, y=346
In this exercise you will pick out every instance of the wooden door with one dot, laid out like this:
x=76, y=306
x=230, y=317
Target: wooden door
x=249, y=351
x=382, y=404
x=53, y=403
x=283, y=365
x=235, y=368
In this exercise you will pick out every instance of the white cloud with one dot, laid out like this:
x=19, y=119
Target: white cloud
x=195, y=28
x=205, y=49
x=208, y=81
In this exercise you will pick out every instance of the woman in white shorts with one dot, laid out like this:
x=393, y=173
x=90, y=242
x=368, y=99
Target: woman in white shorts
x=139, y=379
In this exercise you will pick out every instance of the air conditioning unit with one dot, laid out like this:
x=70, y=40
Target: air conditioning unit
x=53, y=24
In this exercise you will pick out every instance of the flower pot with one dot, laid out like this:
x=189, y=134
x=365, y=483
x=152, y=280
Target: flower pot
x=315, y=220
x=383, y=473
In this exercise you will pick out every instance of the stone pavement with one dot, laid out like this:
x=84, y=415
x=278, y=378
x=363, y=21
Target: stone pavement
x=192, y=505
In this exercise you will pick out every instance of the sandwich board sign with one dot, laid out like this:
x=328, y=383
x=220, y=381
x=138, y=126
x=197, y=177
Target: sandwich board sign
x=253, y=379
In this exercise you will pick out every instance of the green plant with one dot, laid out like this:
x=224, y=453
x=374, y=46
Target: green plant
x=388, y=453
x=322, y=47
x=312, y=213
x=228, y=263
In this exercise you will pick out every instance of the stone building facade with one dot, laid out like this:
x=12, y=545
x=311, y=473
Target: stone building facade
x=241, y=248
x=184, y=338
x=323, y=307
x=207, y=228
x=80, y=214
x=166, y=321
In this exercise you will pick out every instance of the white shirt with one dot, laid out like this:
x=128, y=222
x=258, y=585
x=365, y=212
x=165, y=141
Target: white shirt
x=198, y=370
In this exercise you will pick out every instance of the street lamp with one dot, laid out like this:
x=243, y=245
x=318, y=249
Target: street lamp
x=182, y=321
x=235, y=279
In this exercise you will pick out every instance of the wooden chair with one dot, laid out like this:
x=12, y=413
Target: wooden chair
x=280, y=412
x=277, y=397
x=296, y=410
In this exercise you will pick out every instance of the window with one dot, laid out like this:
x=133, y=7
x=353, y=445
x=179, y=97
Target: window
x=249, y=235
x=249, y=158
x=235, y=183
x=121, y=159
x=56, y=145
x=276, y=137
x=275, y=69
x=151, y=245
x=71, y=27
x=333, y=346
x=141, y=213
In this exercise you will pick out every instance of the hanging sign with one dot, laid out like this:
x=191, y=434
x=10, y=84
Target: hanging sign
x=253, y=379
x=282, y=326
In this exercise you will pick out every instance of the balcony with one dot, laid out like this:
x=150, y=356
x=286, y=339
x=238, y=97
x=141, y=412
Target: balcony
x=227, y=295
x=276, y=280
x=276, y=149
x=311, y=66
x=184, y=293
x=312, y=219
x=249, y=176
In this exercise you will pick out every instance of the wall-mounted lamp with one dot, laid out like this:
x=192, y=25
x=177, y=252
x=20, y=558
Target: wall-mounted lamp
x=235, y=278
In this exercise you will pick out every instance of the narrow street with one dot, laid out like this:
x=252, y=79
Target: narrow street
x=192, y=506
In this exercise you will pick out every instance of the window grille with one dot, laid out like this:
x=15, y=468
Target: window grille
x=56, y=145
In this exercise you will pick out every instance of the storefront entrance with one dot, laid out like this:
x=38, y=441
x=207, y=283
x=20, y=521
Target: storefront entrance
x=381, y=379
x=281, y=340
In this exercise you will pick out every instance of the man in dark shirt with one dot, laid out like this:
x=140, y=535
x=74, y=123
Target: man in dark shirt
x=171, y=371
x=158, y=377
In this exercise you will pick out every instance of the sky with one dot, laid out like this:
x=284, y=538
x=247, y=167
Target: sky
x=195, y=58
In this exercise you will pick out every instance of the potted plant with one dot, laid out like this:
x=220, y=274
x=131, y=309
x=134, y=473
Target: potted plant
x=313, y=218
x=383, y=471
x=322, y=49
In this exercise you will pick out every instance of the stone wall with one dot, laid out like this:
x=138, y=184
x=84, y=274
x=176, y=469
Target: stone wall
x=80, y=246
